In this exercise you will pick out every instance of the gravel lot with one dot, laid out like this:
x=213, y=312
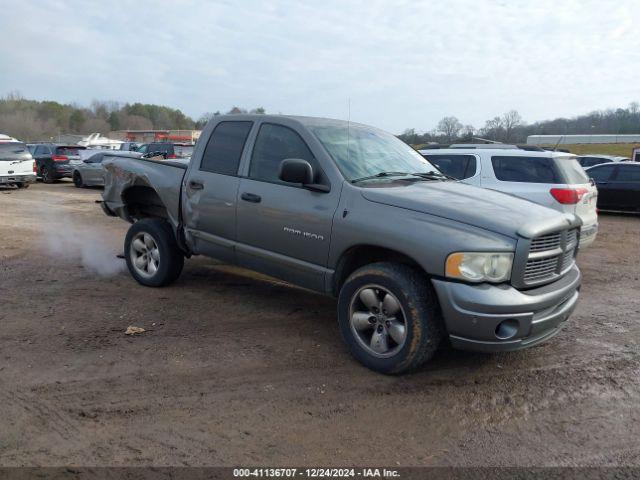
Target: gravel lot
x=237, y=369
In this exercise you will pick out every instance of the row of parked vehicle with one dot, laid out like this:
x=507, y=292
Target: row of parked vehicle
x=550, y=178
x=21, y=164
x=554, y=179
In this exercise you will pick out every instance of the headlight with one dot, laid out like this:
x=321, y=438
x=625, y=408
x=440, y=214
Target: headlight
x=479, y=266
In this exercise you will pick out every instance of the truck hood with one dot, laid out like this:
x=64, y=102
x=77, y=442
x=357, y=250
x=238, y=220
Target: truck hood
x=488, y=209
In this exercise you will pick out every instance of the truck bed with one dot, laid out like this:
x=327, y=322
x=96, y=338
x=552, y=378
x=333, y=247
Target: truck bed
x=140, y=178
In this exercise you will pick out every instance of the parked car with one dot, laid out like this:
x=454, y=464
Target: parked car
x=130, y=146
x=587, y=161
x=618, y=186
x=90, y=171
x=183, y=150
x=635, y=155
x=412, y=256
x=166, y=150
x=158, y=149
x=54, y=162
x=16, y=164
x=553, y=179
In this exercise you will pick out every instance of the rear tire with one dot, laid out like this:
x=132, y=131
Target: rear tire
x=152, y=253
x=22, y=185
x=77, y=180
x=47, y=175
x=389, y=317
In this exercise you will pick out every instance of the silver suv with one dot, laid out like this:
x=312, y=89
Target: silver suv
x=553, y=179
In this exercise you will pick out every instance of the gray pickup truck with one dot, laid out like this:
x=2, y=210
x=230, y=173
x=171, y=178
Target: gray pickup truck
x=347, y=210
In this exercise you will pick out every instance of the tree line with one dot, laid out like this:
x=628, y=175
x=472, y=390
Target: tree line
x=33, y=120
x=511, y=128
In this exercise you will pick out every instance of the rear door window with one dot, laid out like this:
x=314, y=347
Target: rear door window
x=457, y=166
x=628, y=173
x=224, y=148
x=525, y=169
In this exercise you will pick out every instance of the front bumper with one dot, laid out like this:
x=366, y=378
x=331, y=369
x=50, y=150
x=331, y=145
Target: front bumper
x=13, y=179
x=473, y=314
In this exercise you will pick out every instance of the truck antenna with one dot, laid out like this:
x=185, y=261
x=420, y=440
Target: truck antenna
x=558, y=143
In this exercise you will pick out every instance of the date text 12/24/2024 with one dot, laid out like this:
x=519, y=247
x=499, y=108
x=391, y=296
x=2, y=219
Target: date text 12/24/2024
x=315, y=473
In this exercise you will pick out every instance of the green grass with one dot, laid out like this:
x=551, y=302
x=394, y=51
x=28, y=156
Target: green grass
x=620, y=149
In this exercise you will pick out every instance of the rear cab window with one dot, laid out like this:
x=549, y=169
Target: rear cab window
x=224, y=149
x=458, y=166
x=559, y=170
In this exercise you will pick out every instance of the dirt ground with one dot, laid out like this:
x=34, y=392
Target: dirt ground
x=237, y=369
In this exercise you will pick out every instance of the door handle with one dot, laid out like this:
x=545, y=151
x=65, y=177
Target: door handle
x=251, y=197
x=195, y=185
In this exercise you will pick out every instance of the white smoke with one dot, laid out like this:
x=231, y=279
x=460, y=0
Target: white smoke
x=68, y=240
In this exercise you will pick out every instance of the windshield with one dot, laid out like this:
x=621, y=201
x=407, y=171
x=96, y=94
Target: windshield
x=367, y=151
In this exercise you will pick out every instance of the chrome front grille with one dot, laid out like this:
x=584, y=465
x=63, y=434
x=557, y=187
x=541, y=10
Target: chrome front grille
x=545, y=242
x=550, y=256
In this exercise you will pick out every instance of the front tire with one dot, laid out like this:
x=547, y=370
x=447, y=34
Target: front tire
x=389, y=317
x=152, y=253
x=77, y=180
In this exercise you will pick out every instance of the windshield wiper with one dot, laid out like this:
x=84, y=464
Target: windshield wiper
x=382, y=175
x=433, y=175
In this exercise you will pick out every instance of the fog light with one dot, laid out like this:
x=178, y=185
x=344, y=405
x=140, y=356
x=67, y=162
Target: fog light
x=507, y=329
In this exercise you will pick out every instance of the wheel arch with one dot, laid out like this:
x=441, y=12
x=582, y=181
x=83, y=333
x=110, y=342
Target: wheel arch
x=143, y=201
x=360, y=255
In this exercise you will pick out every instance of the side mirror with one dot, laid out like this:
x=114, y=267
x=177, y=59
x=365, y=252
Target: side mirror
x=86, y=161
x=296, y=170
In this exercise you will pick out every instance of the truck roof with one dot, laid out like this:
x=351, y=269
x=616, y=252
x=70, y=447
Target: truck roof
x=303, y=120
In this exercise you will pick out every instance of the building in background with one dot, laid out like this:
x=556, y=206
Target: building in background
x=580, y=139
x=147, y=136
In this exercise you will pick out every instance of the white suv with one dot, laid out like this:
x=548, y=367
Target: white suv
x=16, y=164
x=554, y=179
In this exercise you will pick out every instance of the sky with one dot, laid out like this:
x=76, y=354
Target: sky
x=398, y=64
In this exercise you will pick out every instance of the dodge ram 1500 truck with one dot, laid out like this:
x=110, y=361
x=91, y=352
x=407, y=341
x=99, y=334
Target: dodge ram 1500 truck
x=350, y=211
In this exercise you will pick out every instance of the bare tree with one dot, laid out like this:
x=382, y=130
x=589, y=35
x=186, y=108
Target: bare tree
x=493, y=129
x=468, y=132
x=510, y=121
x=96, y=125
x=450, y=127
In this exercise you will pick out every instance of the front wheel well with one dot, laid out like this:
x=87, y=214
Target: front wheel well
x=362, y=255
x=142, y=201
